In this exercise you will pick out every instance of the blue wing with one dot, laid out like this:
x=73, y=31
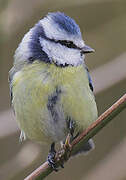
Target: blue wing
x=90, y=80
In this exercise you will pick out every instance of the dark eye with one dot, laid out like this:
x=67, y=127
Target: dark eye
x=68, y=44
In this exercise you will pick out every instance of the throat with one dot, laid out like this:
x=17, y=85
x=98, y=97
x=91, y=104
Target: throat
x=65, y=73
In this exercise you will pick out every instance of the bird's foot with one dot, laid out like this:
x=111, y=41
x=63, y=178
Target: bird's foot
x=66, y=145
x=51, y=158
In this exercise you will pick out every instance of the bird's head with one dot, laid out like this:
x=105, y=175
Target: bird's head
x=54, y=39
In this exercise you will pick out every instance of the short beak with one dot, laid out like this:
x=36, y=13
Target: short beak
x=87, y=49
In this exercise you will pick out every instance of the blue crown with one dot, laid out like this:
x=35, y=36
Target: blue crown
x=65, y=22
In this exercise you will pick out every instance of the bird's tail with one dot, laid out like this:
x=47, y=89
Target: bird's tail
x=84, y=148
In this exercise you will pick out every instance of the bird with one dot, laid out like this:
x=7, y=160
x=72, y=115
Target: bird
x=50, y=86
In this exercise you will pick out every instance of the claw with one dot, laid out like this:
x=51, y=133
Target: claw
x=67, y=141
x=67, y=147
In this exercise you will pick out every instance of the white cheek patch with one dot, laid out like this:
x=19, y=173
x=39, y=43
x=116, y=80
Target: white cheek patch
x=61, y=54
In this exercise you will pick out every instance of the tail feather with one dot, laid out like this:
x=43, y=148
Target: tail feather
x=85, y=148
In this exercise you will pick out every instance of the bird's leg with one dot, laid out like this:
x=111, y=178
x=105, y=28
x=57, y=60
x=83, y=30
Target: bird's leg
x=71, y=127
x=69, y=138
x=51, y=157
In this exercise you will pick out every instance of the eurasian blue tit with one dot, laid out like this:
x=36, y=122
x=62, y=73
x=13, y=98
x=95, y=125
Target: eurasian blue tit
x=50, y=84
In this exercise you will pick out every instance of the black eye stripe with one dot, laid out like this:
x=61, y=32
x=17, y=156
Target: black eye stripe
x=68, y=44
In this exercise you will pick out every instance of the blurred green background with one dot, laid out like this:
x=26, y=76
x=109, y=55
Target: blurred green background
x=103, y=24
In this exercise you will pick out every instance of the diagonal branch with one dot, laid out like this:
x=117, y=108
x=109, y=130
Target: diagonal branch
x=44, y=170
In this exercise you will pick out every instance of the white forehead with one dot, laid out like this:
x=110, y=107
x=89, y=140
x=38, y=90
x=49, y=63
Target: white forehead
x=52, y=31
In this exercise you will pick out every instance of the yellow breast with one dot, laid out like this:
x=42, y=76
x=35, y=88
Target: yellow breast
x=32, y=87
